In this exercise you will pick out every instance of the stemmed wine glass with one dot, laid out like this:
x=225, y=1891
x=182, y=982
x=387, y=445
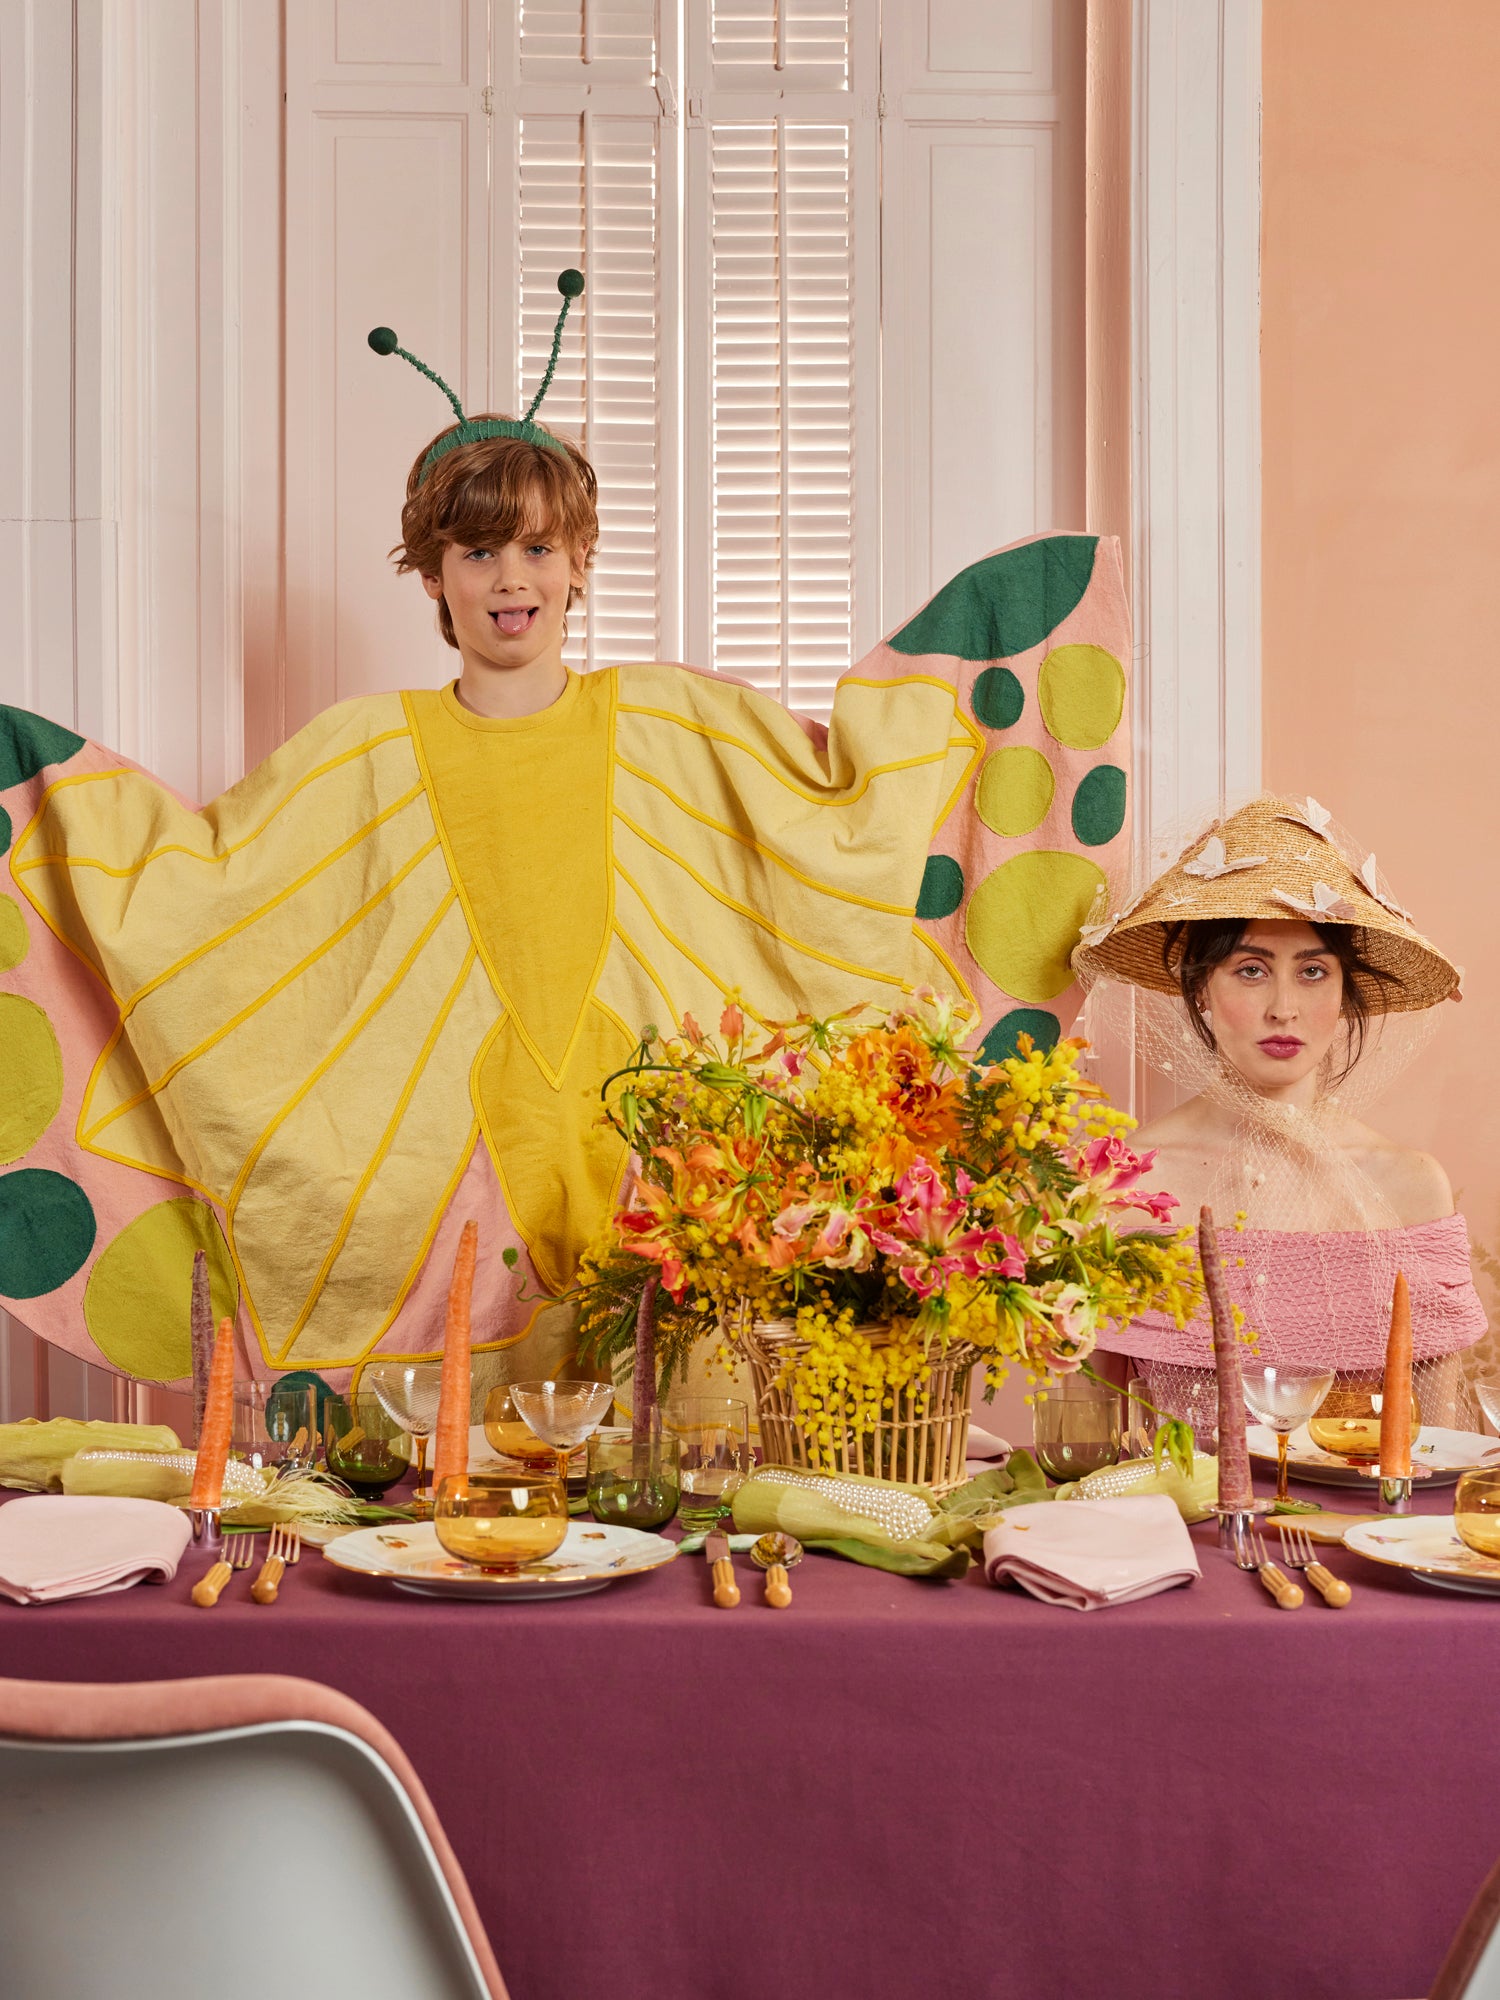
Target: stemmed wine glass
x=562, y=1414
x=1282, y=1398
x=408, y=1392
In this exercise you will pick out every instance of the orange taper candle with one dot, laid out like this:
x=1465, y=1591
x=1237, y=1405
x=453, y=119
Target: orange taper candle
x=451, y=1437
x=217, y=1431
x=1395, y=1405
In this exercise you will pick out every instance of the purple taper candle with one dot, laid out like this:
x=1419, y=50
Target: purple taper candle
x=1235, y=1489
x=201, y=1325
x=643, y=1390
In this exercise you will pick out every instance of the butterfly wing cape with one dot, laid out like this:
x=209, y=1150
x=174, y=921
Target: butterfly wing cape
x=373, y=990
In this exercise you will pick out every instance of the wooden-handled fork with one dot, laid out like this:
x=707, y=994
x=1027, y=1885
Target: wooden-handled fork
x=238, y=1554
x=285, y=1547
x=1297, y=1553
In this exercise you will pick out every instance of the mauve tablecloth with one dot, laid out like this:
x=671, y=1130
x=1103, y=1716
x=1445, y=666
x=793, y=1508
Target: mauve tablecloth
x=904, y=1789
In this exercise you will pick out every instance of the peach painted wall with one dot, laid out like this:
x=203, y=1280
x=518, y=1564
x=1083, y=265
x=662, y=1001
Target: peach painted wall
x=1381, y=498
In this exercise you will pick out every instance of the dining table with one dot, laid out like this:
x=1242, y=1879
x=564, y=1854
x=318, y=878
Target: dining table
x=896, y=1787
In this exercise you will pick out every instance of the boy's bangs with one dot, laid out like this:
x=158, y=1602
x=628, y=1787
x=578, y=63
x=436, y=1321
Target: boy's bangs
x=510, y=501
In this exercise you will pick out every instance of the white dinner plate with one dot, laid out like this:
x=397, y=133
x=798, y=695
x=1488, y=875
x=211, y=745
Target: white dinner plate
x=1428, y=1546
x=1444, y=1454
x=483, y=1458
x=410, y=1556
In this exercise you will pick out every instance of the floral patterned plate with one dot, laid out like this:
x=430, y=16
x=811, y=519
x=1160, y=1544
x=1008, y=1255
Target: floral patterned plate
x=1444, y=1454
x=410, y=1556
x=1428, y=1546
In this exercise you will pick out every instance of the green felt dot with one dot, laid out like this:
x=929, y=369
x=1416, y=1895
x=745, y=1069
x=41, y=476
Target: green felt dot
x=31, y=1064
x=998, y=698
x=1082, y=694
x=942, y=887
x=5, y=830
x=46, y=1232
x=28, y=743
x=1044, y=1029
x=1006, y=604
x=1099, y=805
x=1024, y=920
x=1014, y=794
x=14, y=941
x=137, y=1303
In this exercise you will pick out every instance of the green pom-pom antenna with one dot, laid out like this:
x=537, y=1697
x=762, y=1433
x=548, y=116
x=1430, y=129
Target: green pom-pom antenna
x=469, y=430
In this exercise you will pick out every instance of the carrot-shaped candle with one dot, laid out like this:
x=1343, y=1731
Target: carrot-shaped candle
x=201, y=1327
x=1235, y=1489
x=1395, y=1406
x=217, y=1428
x=451, y=1437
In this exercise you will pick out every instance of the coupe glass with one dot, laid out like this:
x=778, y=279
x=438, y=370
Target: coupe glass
x=1075, y=1426
x=409, y=1391
x=508, y=1432
x=1489, y=1400
x=501, y=1521
x=1282, y=1398
x=714, y=1435
x=364, y=1444
x=562, y=1414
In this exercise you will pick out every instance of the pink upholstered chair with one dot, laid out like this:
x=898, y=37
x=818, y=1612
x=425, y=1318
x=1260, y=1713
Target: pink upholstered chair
x=233, y=1837
x=1471, y=1971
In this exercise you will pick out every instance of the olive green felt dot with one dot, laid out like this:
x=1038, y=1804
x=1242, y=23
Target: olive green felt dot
x=1014, y=793
x=47, y=1230
x=5, y=830
x=1082, y=694
x=14, y=941
x=1024, y=919
x=1044, y=1029
x=998, y=698
x=1099, y=805
x=137, y=1303
x=28, y=743
x=32, y=1066
x=942, y=887
x=1005, y=604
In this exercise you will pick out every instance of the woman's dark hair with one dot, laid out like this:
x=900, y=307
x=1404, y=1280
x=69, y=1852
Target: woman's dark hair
x=1192, y=951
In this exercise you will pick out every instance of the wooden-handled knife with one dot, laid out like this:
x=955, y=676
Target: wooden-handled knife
x=726, y=1590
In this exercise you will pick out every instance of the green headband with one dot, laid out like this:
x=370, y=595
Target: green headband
x=470, y=430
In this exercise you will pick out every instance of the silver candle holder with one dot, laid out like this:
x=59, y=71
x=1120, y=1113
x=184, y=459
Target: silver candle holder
x=208, y=1531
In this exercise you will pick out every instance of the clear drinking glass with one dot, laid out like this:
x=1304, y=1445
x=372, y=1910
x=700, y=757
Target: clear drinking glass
x=1489, y=1401
x=275, y=1426
x=714, y=1435
x=409, y=1390
x=1075, y=1426
x=562, y=1414
x=501, y=1521
x=1282, y=1398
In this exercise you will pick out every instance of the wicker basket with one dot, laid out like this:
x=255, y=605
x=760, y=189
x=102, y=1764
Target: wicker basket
x=923, y=1440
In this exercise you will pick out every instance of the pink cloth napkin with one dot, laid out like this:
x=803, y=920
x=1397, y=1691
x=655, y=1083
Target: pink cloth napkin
x=74, y=1545
x=1089, y=1553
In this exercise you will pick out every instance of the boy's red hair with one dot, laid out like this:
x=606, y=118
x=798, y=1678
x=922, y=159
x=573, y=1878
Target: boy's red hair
x=494, y=491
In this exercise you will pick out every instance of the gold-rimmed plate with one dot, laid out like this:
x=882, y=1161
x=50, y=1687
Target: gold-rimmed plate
x=410, y=1556
x=1443, y=1454
x=1428, y=1546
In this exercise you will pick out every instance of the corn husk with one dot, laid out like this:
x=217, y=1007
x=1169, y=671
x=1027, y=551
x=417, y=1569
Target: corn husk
x=33, y=1453
x=880, y=1522
x=1195, y=1497
x=253, y=1497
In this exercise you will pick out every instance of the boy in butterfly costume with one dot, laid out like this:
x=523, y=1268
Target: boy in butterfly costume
x=374, y=988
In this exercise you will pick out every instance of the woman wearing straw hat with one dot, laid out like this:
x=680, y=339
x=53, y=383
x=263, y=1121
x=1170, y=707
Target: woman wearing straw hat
x=1270, y=977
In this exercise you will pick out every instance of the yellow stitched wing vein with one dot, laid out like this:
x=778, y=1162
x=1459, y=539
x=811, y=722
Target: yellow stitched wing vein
x=339, y=1048
x=387, y=1137
x=648, y=968
x=754, y=916
x=195, y=853
x=729, y=992
x=757, y=847
x=802, y=791
x=282, y=895
x=264, y=999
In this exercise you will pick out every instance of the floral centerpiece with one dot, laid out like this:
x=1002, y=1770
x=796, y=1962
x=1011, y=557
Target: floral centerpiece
x=883, y=1197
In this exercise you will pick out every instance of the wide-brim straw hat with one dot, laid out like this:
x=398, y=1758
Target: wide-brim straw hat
x=1274, y=859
